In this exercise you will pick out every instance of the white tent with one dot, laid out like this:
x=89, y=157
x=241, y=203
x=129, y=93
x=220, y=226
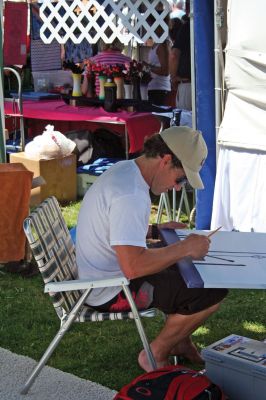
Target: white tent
x=240, y=188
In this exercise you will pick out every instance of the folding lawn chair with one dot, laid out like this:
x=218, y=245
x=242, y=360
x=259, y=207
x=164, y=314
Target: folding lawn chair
x=54, y=252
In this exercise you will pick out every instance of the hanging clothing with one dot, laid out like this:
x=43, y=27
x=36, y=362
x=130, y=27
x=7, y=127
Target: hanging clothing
x=15, y=34
x=78, y=52
x=45, y=57
x=36, y=21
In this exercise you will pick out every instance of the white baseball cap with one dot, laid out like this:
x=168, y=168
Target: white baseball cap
x=190, y=148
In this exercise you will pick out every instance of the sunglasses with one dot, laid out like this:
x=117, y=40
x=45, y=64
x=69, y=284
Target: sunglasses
x=181, y=181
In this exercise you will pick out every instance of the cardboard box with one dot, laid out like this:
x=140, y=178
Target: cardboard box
x=238, y=365
x=15, y=183
x=59, y=174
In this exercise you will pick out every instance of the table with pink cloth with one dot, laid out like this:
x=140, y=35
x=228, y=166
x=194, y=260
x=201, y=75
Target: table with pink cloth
x=135, y=125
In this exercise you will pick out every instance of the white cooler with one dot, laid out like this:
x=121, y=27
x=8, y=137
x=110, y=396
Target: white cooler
x=238, y=365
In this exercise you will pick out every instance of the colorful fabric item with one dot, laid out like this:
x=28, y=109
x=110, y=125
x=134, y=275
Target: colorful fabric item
x=15, y=38
x=77, y=52
x=143, y=298
x=45, y=57
x=98, y=166
x=36, y=21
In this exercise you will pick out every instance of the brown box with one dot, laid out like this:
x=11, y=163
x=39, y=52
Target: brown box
x=59, y=173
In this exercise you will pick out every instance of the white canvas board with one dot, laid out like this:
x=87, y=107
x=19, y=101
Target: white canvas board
x=241, y=263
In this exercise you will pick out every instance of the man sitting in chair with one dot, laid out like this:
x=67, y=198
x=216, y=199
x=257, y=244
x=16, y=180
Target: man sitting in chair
x=112, y=229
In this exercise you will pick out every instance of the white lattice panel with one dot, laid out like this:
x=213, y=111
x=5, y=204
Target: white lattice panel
x=122, y=19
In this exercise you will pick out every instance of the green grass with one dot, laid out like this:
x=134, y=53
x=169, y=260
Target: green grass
x=106, y=352
x=70, y=213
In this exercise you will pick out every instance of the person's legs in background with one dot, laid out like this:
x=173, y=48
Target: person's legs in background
x=183, y=96
x=158, y=97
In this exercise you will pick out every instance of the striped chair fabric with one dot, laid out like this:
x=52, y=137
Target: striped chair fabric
x=54, y=252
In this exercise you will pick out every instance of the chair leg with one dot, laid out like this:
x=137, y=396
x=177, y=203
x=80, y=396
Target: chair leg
x=180, y=205
x=164, y=202
x=174, y=205
x=187, y=207
x=160, y=210
x=140, y=328
x=54, y=343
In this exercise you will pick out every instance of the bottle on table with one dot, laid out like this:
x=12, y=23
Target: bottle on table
x=175, y=120
x=109, y=95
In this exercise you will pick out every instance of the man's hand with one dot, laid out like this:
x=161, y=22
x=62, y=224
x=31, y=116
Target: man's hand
x=172, y=225
x=138, y=261
x=197, y=246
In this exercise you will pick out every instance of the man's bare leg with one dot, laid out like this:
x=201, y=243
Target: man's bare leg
x=187, y=349
x=175, y=337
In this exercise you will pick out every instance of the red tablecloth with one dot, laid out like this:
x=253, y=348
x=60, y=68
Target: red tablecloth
x=139, y=125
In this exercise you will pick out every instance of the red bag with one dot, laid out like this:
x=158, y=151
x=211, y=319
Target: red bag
x=171, y=383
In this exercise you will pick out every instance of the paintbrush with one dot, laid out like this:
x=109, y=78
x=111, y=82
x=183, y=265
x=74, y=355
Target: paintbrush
x=213, y=232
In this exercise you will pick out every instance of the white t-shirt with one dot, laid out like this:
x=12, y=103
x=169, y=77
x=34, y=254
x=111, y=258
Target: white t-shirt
x=158, y=82
x=114, y=211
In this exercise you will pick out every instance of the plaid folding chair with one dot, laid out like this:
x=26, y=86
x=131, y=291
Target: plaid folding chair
x=54, y=252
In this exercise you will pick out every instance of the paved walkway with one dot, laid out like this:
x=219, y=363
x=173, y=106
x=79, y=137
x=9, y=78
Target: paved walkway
x=51, y=384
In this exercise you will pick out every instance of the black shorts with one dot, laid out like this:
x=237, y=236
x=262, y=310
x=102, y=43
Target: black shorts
x=168, y=292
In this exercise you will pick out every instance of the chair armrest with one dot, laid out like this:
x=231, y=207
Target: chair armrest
x=84, y=284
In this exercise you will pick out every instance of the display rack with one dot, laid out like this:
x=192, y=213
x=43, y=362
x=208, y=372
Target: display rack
x=17, y=109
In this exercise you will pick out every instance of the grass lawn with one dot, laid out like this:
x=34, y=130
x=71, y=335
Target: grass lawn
x=106, y=352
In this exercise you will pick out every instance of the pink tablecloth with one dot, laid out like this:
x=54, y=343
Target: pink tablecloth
x=139, y=125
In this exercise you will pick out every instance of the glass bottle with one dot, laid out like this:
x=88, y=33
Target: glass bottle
x=109, y=95
x=175, y=120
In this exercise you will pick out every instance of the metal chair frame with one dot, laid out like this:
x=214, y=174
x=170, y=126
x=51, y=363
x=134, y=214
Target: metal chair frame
x=17, y=107
x=175, y=213
x=54, y=252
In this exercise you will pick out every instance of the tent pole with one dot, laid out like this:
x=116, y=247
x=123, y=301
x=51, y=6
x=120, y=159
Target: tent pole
x=2, y=120
x=203, y=15
x=218, y=23
x=192, y=57
x=193, y=84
